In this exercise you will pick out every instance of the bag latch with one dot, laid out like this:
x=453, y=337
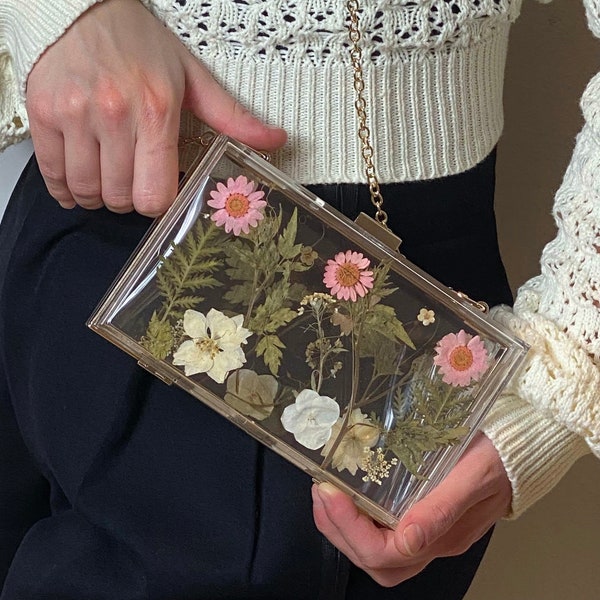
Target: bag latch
x=378, y=230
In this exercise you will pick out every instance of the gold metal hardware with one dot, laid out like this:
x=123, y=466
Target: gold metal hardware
x=378, y=230
x=479, y=305
x=156, y=373
x=361, y=111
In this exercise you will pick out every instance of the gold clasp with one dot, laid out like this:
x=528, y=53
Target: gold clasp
x=479, y=305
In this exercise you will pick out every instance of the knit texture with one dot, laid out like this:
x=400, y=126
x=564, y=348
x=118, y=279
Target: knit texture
x=558, y=314
x=433, y=73
x=536, y=450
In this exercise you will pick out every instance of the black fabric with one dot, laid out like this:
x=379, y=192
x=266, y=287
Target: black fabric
x=116, y=486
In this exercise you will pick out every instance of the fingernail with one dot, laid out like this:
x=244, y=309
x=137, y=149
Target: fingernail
x=326, y=491
x=68, y=205
x=414, y=539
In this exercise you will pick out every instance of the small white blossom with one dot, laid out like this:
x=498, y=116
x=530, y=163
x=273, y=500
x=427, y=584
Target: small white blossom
x=426, y=316
x=311, y=418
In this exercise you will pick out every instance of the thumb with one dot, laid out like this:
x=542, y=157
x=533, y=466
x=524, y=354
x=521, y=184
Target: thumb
x=433, y=516
x=426, y=522
x=478, y=475
x=206, y=98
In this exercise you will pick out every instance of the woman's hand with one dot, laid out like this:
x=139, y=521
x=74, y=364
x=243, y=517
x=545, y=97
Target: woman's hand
x=474, y=495
x=104, y=106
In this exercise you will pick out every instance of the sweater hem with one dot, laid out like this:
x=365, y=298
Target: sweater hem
x=430, y=117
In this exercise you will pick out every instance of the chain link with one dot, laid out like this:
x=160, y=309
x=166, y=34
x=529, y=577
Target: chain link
x=204, y=140
x=360, y=105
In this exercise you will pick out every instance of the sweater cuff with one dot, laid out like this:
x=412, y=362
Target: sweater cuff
x=536, y=451
x=28, y=28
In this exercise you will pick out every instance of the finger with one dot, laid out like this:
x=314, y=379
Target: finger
x=116, y=168
x=155, y=168
x=386, y=574
x=49, y=148
x=50, y=155
x=473, y=524
x=114, y=123
x=351, y=531
x=328, y=528
x=82, y=165
x=466, y=531
x=214, y=106
x=470, y=482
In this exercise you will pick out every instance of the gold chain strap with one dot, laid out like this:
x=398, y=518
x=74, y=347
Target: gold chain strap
x=361, y=105
x=204, y=140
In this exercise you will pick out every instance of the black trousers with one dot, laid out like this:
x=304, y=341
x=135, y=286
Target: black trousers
x=114, y=486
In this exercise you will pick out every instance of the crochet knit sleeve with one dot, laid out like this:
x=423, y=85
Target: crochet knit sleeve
x=551, y=413
x=26, y=30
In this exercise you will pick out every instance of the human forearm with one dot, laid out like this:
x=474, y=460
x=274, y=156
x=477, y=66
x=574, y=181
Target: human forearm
x=550, y=415
x=536, y=451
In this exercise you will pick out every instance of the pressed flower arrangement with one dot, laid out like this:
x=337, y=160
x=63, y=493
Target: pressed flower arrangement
x=314, y=337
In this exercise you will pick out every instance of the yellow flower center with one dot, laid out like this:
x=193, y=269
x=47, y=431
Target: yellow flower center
x=461, y=358
x=347, y=275
x=208, y=346
x=237, y=205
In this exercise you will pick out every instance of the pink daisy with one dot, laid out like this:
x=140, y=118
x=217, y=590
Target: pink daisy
x=239, y=205
x=461, y=357
x=346, y=275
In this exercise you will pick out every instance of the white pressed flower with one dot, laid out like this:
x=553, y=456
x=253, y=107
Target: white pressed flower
x=361, y=434
x=251, y=394
x=215, y=347
x=311, y=418
x=426, y=316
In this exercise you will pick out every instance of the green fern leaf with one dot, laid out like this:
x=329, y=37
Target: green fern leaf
x=158, y=339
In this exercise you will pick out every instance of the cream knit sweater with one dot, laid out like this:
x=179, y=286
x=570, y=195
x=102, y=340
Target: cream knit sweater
x=434, y=73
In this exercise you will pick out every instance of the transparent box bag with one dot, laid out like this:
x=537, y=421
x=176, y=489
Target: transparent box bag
x=308, y=332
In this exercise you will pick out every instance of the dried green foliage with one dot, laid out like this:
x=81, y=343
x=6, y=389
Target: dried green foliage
x=359, y=339
x=188, y=267
x=269, y=348
x=159, y=338
x=263, y=263
x=431, y=418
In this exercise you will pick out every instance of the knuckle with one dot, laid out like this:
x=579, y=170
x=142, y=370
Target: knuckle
x=54, y=177
x=113, y=106
x=156, y=107
x=85, y=191
x=370, y=562
x=240, y=111
x=60, y=194
x=39, y=110
x=238, y=119
x=456, y=548
x=56, y=185
x=121, y=210
x=73, y=104
x=150, y=205
x=119, y=202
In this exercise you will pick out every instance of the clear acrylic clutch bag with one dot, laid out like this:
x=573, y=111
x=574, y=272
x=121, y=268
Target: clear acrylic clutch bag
x=308, y=332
